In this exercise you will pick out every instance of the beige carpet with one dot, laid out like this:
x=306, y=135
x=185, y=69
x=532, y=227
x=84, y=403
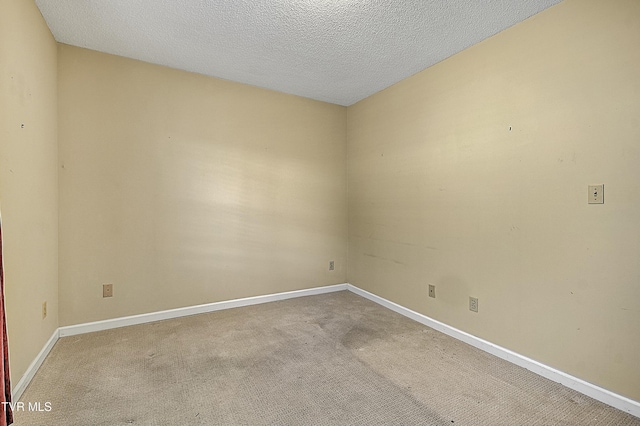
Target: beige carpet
x=318, y=360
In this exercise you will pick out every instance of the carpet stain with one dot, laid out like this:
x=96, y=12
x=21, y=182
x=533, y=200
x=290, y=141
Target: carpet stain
x=358, y=337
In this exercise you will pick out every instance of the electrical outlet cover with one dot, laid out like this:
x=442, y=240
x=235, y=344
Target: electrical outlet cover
x=107, y=290
x=473, y=304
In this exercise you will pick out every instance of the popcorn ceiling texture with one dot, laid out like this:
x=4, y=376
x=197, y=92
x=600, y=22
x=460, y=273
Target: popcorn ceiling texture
x=338, y=51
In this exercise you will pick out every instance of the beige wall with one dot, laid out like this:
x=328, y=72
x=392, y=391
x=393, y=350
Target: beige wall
x=472, y=175
x=182, y=189
x=28, y=179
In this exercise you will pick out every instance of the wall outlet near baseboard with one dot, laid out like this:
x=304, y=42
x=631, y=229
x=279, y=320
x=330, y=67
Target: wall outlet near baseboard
x=107, y=290
x=332, y=265
x=432, y=291
x=44, y=309
x=473, y=304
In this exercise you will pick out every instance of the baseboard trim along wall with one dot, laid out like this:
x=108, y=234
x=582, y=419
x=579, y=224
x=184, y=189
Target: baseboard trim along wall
x=72, y=330
x=90, y=327
x=22, y=384
x=618, y=401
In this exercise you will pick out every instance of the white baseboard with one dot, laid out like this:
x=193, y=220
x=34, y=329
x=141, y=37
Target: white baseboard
x=618, y=401
x=72, y=330
x=22, y=384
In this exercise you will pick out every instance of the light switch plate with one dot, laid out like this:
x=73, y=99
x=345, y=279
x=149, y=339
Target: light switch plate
x=596, y=194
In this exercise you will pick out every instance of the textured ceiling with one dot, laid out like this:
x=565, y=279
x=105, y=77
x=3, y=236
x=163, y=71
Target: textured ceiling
x=339, y=51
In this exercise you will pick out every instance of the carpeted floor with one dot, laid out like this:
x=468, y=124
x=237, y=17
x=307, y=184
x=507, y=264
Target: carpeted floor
x=318, y=360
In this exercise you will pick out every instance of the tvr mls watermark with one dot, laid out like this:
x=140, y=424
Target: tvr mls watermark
x=29, y=406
